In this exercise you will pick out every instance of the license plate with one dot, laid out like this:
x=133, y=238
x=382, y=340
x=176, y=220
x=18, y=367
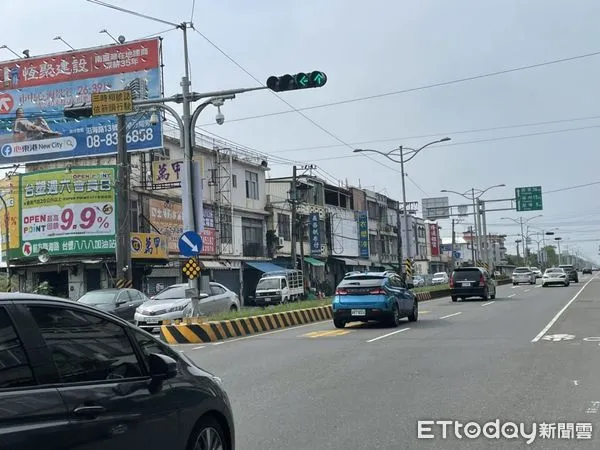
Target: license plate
x=358, y=312
x=267, y=299
x=151, y=322
x=466, y=284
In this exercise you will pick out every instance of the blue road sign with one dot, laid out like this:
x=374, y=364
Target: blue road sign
x=190, y=244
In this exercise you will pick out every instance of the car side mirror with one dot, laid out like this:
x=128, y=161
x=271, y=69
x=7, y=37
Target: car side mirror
x=203, y=295
x=162, y=367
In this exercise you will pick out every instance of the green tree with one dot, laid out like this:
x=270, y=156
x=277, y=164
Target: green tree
x=552, y=256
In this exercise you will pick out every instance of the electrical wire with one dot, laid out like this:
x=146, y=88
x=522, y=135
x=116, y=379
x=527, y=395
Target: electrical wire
x=133, y=13
x=421, y=88
x=445, y=133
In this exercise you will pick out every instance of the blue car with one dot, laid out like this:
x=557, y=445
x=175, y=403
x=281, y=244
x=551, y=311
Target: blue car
x=380, y=296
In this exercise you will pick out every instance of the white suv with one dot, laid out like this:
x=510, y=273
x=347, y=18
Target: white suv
x=523, y=275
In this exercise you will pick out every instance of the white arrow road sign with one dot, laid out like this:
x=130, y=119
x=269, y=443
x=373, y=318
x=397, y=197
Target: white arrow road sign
x=558, y=337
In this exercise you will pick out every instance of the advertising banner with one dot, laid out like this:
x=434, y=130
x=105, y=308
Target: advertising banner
x=363, y=235
x=68, y=213
x=148, y=246
x=34, y=92
x=9, y=190
x=434, y=239
x=167, y=217
x=314, y=234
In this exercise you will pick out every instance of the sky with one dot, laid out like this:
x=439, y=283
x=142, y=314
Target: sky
x=544, y=120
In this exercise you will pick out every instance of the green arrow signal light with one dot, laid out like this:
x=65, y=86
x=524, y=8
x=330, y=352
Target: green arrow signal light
x=301, y=80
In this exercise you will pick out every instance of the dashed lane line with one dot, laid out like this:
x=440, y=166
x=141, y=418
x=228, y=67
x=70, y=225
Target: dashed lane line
x=388, y=334
x=451, y=315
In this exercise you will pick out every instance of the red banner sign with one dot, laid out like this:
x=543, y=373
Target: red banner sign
x=434, y=239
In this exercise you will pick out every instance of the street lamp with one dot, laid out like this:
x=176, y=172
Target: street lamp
x=522, y=222
x=475, y=195
x=404, y=158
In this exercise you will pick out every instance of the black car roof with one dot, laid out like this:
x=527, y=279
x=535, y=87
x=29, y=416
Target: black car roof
x=9, y=296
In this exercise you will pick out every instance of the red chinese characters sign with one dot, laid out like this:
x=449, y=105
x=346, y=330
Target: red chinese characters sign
x=167, y=217
x=434, y=239
x=92, y=63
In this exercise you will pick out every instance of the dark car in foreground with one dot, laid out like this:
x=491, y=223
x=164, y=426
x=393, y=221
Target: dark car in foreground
x=571, y=272
x=74, y=377
x=467, y=282
x=379, y=296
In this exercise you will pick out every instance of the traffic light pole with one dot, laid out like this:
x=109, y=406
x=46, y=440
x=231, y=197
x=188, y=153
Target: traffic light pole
x=123, y=213
x=293, y=198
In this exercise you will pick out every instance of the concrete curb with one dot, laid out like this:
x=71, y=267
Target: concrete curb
x=202, y=332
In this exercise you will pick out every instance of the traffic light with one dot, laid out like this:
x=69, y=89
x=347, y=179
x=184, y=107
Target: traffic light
x=78, y=111
x=299, y=81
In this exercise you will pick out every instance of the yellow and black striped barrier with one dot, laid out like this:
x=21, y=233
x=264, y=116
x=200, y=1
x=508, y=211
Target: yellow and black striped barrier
x=408, y=268
x=200, y=331
x=123, y=283
x=422, y=296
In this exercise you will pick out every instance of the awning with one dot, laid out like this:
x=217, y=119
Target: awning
x=314, y=262
x=363, y=262
x=265, y=266
x=214, y=265
x=347, y=261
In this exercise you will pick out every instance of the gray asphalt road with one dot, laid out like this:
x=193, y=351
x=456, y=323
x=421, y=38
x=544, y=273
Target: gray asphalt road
x=367, y=386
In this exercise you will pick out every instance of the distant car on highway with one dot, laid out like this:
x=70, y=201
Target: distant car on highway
x=555, y=275
x=374, y=296
x=79, y=378
x=538, y=272
x=587, y=270
x=523, y=275
x=571, y=272
x=120, y=302
x=468, y=282
x=418, y=281
x=172, y=303
x=440, y=278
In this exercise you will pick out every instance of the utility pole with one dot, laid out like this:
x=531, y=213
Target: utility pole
x=123, y=213
x=472, y=246
x=475, y=220
x=406, y=234
x=452, y=261
x=399, y=240
x=293, y=200
x=486, y=244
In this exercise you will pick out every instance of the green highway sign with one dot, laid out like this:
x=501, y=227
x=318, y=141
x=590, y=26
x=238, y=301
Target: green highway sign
x=529, y=198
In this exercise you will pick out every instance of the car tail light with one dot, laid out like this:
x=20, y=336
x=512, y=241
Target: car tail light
x=481, y=280
x=378, y=291
x=341, y=292
x=451, y=281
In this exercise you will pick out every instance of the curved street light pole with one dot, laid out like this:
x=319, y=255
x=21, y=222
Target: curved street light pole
x=522, y=222
x=475, y=196
x=390, y=155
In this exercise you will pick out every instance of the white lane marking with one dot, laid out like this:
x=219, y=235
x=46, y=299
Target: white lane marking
x=489, y=303
x=199, y=347
x=593, y=408
x=517, y=286
x=576, y=382
x=389, y=334
x=556, y=317
x=450, y=315
x=511, y=295
x=558, y=337
x=526, y=290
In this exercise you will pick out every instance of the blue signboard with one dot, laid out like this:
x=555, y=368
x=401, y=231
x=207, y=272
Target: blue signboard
x=314, y=234
x=363, y=235
x=35, y=91
x=190, y=244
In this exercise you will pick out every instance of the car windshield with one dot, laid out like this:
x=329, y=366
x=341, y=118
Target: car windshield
x=467, y=275
x=439, y=275
x=522, y=270
x=535, y=268
x=171, y=293
x=566, y=267
x=99, y=297
x=363, y=281
x=268, y=283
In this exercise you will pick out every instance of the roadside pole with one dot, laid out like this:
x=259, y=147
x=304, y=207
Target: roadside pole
x=123, y=212
x=293, y=198
x=484, y=235
x=452, y=261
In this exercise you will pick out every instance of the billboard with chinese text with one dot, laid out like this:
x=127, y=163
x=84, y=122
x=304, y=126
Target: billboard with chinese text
x=9, y=190
x=167, y=217
x=148, y=246
x=68, y=213
x=363, y=234
x=434, y=239
x=314, y=234
x=34, y=92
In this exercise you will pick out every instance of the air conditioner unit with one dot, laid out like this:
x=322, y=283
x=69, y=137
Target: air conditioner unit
x=281, y=241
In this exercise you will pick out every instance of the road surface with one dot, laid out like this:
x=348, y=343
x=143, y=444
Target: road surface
x=522, y=358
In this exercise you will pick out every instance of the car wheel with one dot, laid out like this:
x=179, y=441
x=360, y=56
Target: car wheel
x=233, y=308
x=395, y=319
x=486, y=294
x=338, y=323
x=454, y=298
x=514, y=284
x=414, y=314
x=208, y=435
x=544, y=285
x=493, y=296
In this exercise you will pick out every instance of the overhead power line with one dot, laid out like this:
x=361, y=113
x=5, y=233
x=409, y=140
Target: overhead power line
x=421, y=88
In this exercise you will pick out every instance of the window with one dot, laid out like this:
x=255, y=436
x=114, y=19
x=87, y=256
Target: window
x=14, y=365
x=234, y=180
x=212, y=176
x=216, y=290
x=85, y=347
x=172, y=293
x=148, y=345
x=252, y=185
x=283, y=226
x=252, y=237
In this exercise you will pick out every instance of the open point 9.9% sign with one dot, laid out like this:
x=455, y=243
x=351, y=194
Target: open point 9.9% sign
x=88, y=218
